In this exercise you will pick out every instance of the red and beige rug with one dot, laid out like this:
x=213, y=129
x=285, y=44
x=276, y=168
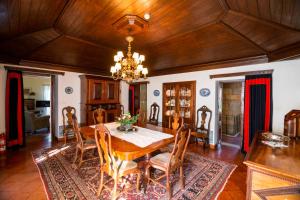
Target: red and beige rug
x=204, y=178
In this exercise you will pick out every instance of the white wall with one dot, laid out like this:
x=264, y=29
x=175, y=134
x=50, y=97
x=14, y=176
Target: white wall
x=70, y=79
x=124, y=88
x=286, y=91
x=35, y=84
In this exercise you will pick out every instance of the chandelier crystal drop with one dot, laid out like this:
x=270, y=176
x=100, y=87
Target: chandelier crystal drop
x=129, y=68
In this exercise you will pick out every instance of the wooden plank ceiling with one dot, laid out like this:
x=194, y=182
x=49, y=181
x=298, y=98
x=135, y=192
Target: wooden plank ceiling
x=77, y=35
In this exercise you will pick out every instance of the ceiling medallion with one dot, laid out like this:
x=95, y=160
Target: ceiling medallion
x=131, y=24
x=128, y=68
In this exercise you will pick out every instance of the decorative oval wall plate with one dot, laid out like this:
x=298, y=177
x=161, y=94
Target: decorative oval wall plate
x=69, y=90
x=156, y=93
x=204, y=92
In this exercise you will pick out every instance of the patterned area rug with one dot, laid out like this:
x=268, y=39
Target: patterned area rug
x=204, y=178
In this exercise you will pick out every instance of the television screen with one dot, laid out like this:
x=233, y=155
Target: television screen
x=42, y=104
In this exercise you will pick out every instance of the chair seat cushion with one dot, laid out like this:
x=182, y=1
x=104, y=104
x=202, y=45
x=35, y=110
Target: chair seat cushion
x=161, y=159
x=127, y=165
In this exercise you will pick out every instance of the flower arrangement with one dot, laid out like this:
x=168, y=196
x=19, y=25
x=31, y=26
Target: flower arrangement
x=126, y=119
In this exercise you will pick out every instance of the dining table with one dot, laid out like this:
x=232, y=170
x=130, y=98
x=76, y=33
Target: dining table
x=125, y=150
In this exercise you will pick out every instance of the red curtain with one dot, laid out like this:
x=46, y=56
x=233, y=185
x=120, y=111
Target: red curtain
x=258, y=107
x=14, y=109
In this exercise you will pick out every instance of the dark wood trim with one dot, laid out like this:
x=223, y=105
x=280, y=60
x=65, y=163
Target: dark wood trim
x=53, y=66
x=88, y=76
x=140, y=82
x=34, y=71
x=241, y=73
x=61, y=13
x=243, y=37
x=285, y=53
x=29, y=54
x=213, y=65
x=224, y=5
x=262, y=21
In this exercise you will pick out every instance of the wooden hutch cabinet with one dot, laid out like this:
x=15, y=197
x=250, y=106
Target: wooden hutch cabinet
x=99, y=92
x=179, y=97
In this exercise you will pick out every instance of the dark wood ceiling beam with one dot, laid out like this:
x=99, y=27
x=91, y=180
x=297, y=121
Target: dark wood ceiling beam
x=4, y=58
x=285, y=53
x=184, y=33
x=241, y=74
x=34, y=71
x=41, y=46
x=235, y=32
x=212, y=65
x=62, y=12
x=88, y=42
x=56, y=66
x=263, y=21
x=224, y=5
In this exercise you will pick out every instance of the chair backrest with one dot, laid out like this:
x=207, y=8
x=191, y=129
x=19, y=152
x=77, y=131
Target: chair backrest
x=181, y=142
x=204, y=126
x=154, y=112
x=100, y=116
x=141, y=121
x=76, y=130
x=67, y=113
x=175, y=121
x=103, y=141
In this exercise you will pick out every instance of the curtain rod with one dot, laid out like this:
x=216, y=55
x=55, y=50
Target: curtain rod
x=34, y=71
x=241, y=73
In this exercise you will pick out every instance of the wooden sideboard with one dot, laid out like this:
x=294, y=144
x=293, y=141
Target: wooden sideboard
x=273, y=172
x=99, y=92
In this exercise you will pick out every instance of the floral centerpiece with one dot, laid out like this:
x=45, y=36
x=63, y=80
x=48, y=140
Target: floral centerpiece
x=126, y=121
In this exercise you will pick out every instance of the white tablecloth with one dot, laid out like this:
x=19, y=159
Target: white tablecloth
x=142, y=137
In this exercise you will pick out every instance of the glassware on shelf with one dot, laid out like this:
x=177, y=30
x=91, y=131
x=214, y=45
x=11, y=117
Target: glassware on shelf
x=187, y=114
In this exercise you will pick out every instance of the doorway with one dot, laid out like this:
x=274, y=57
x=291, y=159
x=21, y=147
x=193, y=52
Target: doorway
x=231, y=95
x=37, y=105
x=137, y=97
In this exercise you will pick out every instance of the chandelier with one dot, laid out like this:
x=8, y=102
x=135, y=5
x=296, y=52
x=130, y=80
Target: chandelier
x=128, y=68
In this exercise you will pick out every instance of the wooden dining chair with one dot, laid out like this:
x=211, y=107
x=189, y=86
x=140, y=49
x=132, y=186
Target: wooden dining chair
x=141, y=121
x=100, y=116
x=82, y=145
x=175, y=121
x=154, y=113
x=170, y=162
x=202, y=128
x=110, y=164
x=68, y=128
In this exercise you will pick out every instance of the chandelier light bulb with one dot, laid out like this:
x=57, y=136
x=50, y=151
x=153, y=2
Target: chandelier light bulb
x=113, y=69
x=118, y=66
x=116, y=58
x=145, y=71
x=135, y=56
x=142, y=58
x=120, y=54
x=139, y=68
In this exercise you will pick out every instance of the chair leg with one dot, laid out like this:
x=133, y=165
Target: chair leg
x=138, y=181
x=168, y=186
x=76, y=154
x=181, y=177
x=65, y=138
x=81, y=157
x=114, y=192
x=146, y=178
x=101, y=184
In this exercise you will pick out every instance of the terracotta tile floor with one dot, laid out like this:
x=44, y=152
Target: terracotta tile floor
x=19, y=177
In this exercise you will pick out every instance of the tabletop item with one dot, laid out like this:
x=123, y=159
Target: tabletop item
x=126, y=122
x=142, y=137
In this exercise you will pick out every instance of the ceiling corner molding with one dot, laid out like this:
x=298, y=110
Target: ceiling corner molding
x=60, y=67
x=285, y=53
x=213, y=65
x=241, y=74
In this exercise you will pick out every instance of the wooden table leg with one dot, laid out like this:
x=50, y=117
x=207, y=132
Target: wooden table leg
x=147, y=172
